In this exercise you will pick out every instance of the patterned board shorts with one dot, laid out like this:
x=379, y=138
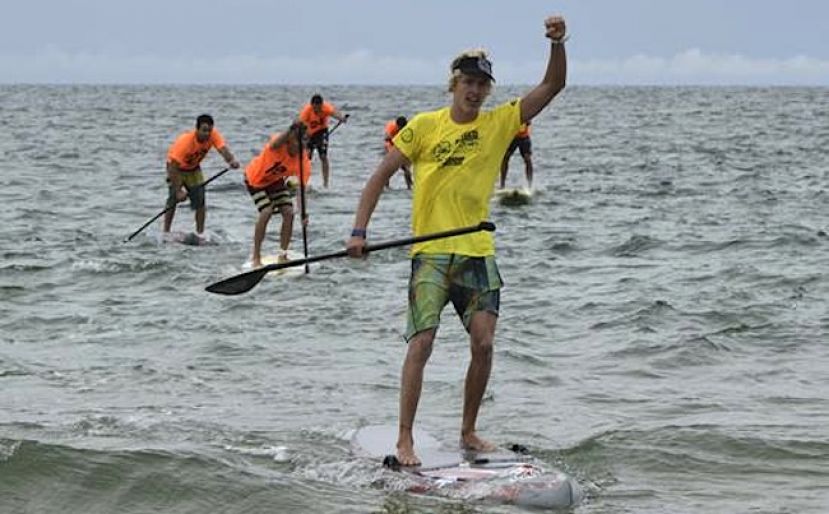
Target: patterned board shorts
x=472, y=284
x=190, y=179
x=318, y=141
x=273, y=195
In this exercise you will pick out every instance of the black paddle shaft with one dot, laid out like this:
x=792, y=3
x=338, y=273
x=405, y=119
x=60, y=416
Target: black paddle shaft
x=244, y=282
x=300, y=131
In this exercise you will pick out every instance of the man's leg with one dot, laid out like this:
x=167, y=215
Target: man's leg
x=259, y=235
x=168, y=218
x=528, y=169
x=481, y=338
x=287, y=231
x=411, y=383
x=201, y=214
x=172, y=203
x=324, y=159
x=527, y=154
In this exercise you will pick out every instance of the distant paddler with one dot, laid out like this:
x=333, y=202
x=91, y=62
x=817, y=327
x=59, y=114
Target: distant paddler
x=184, y=172
x=522, y=143
x=391, y=129
x=315, y=117
x=271, y=179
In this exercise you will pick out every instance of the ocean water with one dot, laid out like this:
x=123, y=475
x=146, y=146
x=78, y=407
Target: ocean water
x=663, y=337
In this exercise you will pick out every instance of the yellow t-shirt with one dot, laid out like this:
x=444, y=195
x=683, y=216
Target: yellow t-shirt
x=455, y=168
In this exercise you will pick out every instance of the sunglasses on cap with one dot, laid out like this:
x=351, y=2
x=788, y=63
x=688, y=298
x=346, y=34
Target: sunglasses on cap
x=474, y=66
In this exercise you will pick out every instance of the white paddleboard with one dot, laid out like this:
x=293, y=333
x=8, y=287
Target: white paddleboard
x=504, y=476
x=293, y=271
x=514, y=196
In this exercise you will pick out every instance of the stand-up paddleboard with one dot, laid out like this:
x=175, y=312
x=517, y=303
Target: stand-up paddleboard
x=292, y=271
x=514, y=196
x=505, y=476
x=185, y=238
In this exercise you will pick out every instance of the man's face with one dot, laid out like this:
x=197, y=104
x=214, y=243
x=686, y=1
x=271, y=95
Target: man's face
x=317, y=107
x=471, y=91
x=203, y=132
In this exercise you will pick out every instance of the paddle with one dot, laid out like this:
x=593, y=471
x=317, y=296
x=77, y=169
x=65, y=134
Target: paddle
x=160, y=214
x=339, y=122
x=300, y=129
x=244, y=282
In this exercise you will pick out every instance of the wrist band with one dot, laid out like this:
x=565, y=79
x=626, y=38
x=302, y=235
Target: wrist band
x=358, y=232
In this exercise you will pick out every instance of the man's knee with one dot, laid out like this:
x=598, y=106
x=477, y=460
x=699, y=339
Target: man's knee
x=482, y=333
x=266, y=213
x=482, y=347
x=420, y=345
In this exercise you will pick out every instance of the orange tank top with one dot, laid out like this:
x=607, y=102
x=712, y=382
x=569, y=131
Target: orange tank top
x=272, y=165
x=316, y=122
x=187, y=151
x=524, y=131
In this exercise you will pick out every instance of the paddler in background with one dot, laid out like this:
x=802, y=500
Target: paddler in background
x=392, y=128
x=315, y=116
x=457, y=153
x=184, y=171
x=268, y=178
x=522, y=142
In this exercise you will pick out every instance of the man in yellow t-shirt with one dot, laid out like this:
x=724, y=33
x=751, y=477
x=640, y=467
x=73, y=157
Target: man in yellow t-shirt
x=456, y=152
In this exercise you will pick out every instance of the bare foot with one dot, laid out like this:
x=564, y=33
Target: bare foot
x=471, y=441
x=406, y=455
x=255, y=263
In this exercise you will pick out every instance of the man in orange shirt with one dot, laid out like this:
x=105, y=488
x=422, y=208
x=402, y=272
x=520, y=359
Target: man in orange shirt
x=391, y=130
x=524, y=145
x=184, y=171
x=266, y=178
x=315, y=116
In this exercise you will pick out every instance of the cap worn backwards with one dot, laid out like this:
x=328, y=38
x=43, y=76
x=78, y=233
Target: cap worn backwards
x=474, y=65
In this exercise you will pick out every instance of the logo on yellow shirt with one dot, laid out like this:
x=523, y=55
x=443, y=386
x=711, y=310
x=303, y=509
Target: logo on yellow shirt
x=444, y=152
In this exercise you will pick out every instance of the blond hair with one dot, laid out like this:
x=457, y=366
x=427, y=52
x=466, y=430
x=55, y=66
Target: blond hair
x=455, y=74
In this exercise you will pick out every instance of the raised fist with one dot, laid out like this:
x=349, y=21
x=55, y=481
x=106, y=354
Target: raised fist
x=556, y=30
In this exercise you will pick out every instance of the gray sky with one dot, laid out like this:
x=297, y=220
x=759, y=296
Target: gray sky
x=753, y=42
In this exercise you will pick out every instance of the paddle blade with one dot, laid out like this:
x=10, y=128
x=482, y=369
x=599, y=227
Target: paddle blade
x=238, y=284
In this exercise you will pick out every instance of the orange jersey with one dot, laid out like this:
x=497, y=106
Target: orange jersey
x=391, y=130
x=316, y=122
x=524, y=131
x=272, y=165
x=188, y=152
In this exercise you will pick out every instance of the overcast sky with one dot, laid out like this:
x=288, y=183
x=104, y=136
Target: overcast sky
x=752, y=42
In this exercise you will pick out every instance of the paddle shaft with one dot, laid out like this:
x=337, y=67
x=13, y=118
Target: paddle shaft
x=244, y=282
x=339, y=122
x=303, y=212
x=147, y=224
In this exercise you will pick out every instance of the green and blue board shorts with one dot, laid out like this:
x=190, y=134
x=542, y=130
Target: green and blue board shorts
x=472, y=284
